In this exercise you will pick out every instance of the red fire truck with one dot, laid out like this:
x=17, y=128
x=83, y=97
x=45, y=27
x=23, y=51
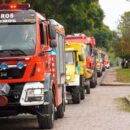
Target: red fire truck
x=32, y=66
x=91, y=60
x=103, y=54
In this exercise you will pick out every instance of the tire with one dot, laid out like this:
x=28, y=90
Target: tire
x=82, y=89
x=103, y=69
x=82, y=93
x=93, y=84
x=61, y=107
x=88, y=89
x=99, y=74
x=46, y=118
x=76, y=95
x=60, y=111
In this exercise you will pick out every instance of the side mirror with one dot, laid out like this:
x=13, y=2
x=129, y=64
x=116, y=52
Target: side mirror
x=81, y=58
x=52, y=31
x=53, y=44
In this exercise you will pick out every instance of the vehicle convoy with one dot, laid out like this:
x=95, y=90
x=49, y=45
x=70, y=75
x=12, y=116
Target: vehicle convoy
x=80, y=75
x=32, y=64
x=107, y=62
x=98, y=62
x=90, y=57
x=91, y=60
x=103, y=54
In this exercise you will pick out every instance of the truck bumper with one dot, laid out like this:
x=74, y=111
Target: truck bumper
x=107, y=66
x=75, y=83
x=99, y=70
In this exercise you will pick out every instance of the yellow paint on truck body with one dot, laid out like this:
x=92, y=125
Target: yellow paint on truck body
x=98, y=60
x=79, y=49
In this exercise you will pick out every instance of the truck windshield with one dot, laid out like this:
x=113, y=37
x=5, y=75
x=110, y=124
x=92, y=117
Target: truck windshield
x=17, y=38
x=69, y=58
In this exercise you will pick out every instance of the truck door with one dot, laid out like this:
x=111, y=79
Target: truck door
x=60, y=59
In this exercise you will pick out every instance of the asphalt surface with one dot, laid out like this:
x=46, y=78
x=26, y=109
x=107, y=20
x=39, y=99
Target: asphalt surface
x=97, y=112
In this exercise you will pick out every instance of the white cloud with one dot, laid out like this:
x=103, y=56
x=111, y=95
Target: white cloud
x=113, y=9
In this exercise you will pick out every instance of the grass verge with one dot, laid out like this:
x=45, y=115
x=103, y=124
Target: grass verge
x=123, y=104
x=123, y=75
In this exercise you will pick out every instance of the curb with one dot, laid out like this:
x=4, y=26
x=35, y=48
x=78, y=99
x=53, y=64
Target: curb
x=104, y=75
x=127, y=98
x=111, y=83
x=114, y=84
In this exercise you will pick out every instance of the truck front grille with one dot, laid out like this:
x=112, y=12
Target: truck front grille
x=12, y=73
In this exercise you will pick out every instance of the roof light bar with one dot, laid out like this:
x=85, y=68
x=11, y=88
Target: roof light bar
x=14, y=6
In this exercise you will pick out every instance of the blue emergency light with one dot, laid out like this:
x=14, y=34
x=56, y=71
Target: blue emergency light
x=4, y=66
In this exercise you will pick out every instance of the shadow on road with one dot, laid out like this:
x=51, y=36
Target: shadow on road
x=19, y=124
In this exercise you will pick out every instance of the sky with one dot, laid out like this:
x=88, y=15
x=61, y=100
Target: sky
x=113, y=10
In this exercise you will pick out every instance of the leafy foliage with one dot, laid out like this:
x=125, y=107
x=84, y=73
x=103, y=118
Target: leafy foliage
x=123, y=47
x=104, y=36
x=75, y=15
x=12, y=1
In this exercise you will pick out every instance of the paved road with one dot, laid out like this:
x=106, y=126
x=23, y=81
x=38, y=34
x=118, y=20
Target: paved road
x=97, y=112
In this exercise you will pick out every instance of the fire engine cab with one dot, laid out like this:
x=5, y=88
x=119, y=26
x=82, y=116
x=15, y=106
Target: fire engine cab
x=32, y=66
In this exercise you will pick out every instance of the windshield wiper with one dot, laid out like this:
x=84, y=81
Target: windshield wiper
x=13, y=52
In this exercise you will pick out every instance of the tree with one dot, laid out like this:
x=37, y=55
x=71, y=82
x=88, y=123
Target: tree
x=122, y=49
x=104, y=37
x=123, y=46
x=76, y=15
x=12, y=1
x=124, y=26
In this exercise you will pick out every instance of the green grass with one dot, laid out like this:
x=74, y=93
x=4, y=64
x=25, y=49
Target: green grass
x=123, y=75
x=123, y=104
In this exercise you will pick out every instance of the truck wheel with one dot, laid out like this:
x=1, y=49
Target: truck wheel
x=82, y=93
x=93, y=84
x=88, y=89
x=61, y=107
x=60, y=111
x=99, y=74
x=82, y=88
x=76, y=95
x=103, y=69
x=46, y=118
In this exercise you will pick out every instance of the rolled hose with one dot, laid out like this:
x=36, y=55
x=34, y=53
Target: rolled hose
x=3, y=101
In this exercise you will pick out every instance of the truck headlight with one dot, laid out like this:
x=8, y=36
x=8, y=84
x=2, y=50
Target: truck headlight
x=68, y=77
x=35, y=94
